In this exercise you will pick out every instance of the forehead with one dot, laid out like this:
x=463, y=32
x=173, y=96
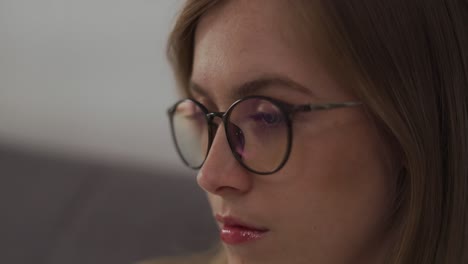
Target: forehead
x=243, y=40
x=245, y=20
x=238, y=39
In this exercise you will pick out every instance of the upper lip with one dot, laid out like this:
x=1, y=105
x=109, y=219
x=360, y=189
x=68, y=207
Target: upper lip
x=231, y=221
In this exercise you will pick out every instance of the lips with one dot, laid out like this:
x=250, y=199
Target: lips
x=234, y=231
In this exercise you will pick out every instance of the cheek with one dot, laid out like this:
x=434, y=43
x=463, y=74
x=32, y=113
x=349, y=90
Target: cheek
x=340, y=157
x=338, y=186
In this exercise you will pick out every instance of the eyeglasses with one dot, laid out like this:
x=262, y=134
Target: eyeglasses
x=258, y=130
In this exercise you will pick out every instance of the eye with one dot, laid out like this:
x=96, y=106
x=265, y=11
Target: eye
x=269, y=119
x=190, y=111
x=198, y=115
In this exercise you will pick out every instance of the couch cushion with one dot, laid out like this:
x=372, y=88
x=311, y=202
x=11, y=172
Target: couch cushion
x=57, y=210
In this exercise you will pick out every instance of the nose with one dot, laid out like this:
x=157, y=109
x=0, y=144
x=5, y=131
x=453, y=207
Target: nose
x=221, y=174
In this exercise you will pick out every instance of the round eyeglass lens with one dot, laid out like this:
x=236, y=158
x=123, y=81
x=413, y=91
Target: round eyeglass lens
x=258, y=134
x=190, y=130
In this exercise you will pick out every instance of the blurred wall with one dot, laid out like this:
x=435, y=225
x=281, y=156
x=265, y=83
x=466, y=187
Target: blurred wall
x=88, y=78
x=88, y=171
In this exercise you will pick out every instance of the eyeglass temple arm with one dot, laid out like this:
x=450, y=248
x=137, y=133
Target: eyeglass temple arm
x=328, y=106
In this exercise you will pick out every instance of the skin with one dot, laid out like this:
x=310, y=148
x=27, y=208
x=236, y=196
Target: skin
x=330, y=203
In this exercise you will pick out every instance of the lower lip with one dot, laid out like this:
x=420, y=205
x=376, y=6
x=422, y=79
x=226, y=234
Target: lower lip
x=234, y=235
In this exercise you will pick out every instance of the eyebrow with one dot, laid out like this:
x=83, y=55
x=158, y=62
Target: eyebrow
x=256, y=86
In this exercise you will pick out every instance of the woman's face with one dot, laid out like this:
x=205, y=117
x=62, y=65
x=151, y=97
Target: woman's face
x=332, y=200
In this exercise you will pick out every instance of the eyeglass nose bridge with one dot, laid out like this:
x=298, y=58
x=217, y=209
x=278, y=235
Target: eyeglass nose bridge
x=211, y=116
x=222, y=115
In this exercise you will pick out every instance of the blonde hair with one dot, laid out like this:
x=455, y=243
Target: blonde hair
x=411, y=59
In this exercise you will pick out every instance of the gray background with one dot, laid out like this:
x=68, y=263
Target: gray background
x=88, y=173
x=88, y=77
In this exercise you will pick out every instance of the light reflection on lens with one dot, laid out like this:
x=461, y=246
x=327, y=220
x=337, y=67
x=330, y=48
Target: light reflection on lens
x=191, y=132
x=264, y=133
x=257, y=132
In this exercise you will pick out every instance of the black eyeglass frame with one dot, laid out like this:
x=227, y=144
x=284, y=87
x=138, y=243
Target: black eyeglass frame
x=288, y=111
